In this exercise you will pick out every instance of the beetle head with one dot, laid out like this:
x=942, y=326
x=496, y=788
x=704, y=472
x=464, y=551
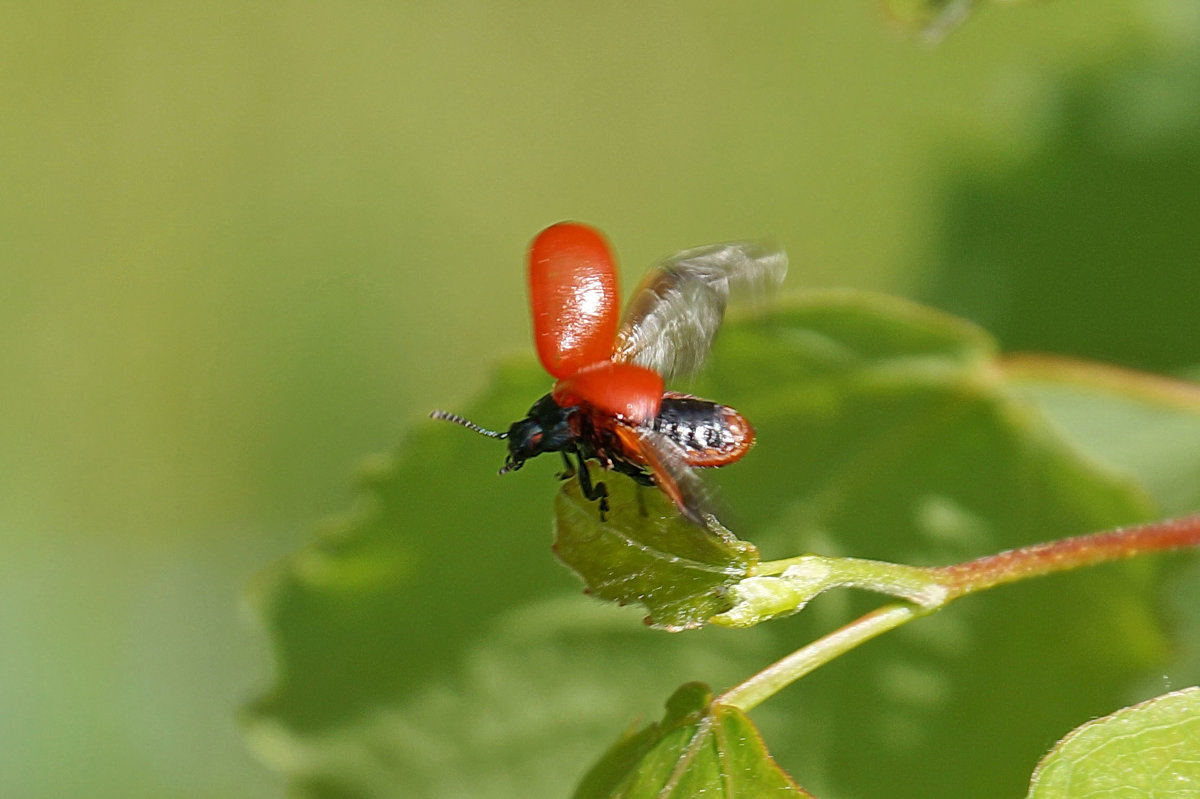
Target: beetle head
x=546, y=428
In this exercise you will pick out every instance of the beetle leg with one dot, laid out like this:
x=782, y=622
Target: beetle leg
x=593, y=492
x=639, y=475
x=604, y=458
x=668, y=464
x=568, y=470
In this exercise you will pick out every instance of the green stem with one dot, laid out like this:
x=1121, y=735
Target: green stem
x=933, y=588
x=779, y=674
x=914, y=583
x=1039, y=560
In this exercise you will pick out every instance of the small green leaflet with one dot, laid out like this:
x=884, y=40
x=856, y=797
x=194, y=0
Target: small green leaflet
x=646, y=552
x=698, y=749
x=1148, y=751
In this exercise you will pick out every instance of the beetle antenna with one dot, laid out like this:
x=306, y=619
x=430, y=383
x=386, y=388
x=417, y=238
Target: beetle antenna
x=454, y=417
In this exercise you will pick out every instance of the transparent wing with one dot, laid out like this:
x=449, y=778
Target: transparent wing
x=667, y=461
x=672, y=318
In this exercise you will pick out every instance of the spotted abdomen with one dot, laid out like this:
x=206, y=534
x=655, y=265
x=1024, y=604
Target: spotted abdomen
x=710, y=434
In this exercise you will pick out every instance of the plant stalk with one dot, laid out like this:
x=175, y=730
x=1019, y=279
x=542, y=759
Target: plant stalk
x=956, y=581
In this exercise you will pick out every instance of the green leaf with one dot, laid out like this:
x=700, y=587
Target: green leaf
x=885, y=430
x=1149, y=751
x=360, y=615
x=899, y=440
x=1140, y=424
x=646, y=552
x=698, y=749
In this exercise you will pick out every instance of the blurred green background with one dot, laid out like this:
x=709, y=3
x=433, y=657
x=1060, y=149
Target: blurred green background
x=243, y=246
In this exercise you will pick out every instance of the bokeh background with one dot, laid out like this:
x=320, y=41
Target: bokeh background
x=244, y=246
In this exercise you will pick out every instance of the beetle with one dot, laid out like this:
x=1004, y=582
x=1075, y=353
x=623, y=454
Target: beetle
x=609, y=402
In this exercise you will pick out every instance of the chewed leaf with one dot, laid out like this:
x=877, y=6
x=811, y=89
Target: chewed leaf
x=1151, y=751
x=698, y=749
x=645, y=552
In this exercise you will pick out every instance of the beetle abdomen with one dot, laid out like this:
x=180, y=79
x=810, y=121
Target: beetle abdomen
x=710, y=434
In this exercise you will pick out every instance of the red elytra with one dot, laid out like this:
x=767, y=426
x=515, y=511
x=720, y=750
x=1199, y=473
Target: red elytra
x=573, y=296
x=608, y=402
x=630, y=393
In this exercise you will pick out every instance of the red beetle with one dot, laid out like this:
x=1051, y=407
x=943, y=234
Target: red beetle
x=608, y=403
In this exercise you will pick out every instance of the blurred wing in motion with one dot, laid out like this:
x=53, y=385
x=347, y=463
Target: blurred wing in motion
x=667, y=461
x=672, y=319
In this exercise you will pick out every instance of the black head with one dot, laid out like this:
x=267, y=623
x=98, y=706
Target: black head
x=546, y=428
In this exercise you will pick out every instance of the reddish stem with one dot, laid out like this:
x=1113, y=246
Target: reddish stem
x=1069, y=553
